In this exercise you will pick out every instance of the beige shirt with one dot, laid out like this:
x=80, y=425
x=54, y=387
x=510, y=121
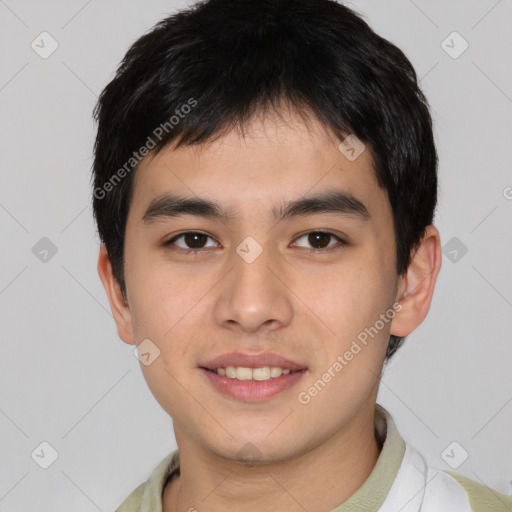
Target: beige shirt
x=401, y=480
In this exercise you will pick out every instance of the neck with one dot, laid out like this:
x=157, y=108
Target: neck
x=337, y=468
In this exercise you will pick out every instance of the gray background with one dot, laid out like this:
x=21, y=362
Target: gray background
x=65, y=377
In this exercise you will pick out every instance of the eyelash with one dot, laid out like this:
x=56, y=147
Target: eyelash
x=168, y=243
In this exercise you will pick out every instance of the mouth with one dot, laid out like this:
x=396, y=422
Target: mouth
x=252, y=378
x=259, y=374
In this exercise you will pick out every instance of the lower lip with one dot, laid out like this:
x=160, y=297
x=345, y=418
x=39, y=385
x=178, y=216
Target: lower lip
x=253, y=390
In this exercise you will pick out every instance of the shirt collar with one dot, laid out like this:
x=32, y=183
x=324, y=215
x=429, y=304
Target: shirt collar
x=371, y=495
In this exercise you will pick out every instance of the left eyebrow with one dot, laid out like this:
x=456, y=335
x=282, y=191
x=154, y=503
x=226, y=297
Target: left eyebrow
x=337, y=201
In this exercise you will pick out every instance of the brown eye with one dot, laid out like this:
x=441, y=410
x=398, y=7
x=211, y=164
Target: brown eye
x=189, y=241
x=194, y=240
x=320, y=240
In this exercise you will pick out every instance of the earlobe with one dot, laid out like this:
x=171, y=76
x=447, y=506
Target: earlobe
x=118, y=305
x=416, y=286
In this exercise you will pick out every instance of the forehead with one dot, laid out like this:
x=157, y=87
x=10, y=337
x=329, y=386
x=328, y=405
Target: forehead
x=272, y=159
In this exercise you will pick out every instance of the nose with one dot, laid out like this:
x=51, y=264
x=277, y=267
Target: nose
x=253, y=296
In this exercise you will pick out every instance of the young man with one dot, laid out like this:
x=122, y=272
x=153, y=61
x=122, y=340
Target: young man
x=264, y=187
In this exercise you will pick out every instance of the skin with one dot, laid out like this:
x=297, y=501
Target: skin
x=306, y=307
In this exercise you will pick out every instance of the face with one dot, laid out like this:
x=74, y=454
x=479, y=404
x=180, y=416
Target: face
x=265, y=285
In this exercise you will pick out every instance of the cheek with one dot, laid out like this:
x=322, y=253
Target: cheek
x=167, y=309
x=348, y=298
x=351, y=303
x=163, y=298
x=166, y=312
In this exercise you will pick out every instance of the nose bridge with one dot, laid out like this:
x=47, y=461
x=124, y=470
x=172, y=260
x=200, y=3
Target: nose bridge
x=251, y=266
x=251, y=293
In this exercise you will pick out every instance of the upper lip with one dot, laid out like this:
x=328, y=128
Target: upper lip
x=251, y=361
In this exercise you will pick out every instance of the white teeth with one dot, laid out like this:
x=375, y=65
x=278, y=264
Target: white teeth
x=261, y=373
x=276, y=372
x=243, y=373
x=230, y=372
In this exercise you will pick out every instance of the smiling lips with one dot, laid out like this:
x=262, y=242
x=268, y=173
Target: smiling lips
x=252, y=377
x=244, y=373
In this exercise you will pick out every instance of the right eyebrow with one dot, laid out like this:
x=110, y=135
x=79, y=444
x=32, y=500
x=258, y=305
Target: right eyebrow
x=174, y=205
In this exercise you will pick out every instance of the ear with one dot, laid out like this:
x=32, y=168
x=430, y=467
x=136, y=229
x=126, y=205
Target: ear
x=118, y=305
x=416, y=286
